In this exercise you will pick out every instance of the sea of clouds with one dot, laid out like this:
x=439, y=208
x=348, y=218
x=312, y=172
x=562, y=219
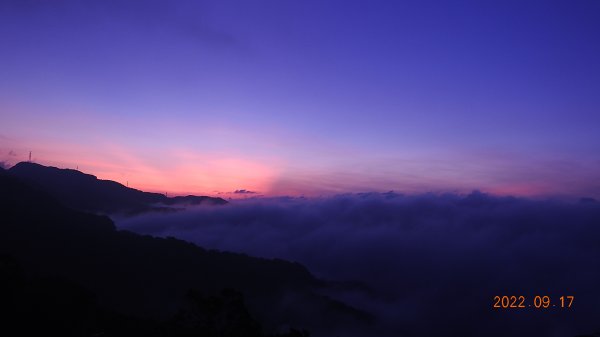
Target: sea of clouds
x=424, y=265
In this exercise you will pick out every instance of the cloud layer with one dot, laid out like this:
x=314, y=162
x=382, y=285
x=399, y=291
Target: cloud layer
x=426, y=264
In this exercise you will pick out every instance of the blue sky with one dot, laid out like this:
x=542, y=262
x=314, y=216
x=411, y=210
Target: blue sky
x=307, y=97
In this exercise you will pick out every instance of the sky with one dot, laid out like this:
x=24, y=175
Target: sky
x=293, y=97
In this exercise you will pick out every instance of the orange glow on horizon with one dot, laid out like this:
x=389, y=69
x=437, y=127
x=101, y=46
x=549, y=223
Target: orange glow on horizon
x=182, y=172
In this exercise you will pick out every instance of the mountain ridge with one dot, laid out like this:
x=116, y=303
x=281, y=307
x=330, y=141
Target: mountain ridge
x=86, y=192
x=147, y=277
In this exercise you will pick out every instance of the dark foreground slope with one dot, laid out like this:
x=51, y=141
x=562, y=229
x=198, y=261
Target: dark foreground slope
x=86, y=192
x=76, y=266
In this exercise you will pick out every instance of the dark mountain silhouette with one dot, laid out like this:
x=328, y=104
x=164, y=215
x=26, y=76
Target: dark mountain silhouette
x=88, y=193
x=71, y=272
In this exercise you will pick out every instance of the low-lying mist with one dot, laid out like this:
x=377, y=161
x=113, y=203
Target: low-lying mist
x=423, y=265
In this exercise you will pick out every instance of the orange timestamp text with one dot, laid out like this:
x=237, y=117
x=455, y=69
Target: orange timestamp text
x=537, y=302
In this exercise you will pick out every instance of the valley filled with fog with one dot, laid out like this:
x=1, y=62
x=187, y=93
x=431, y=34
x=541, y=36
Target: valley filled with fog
x=413, y=260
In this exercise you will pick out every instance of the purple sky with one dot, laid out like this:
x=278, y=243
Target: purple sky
x=307, y=97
